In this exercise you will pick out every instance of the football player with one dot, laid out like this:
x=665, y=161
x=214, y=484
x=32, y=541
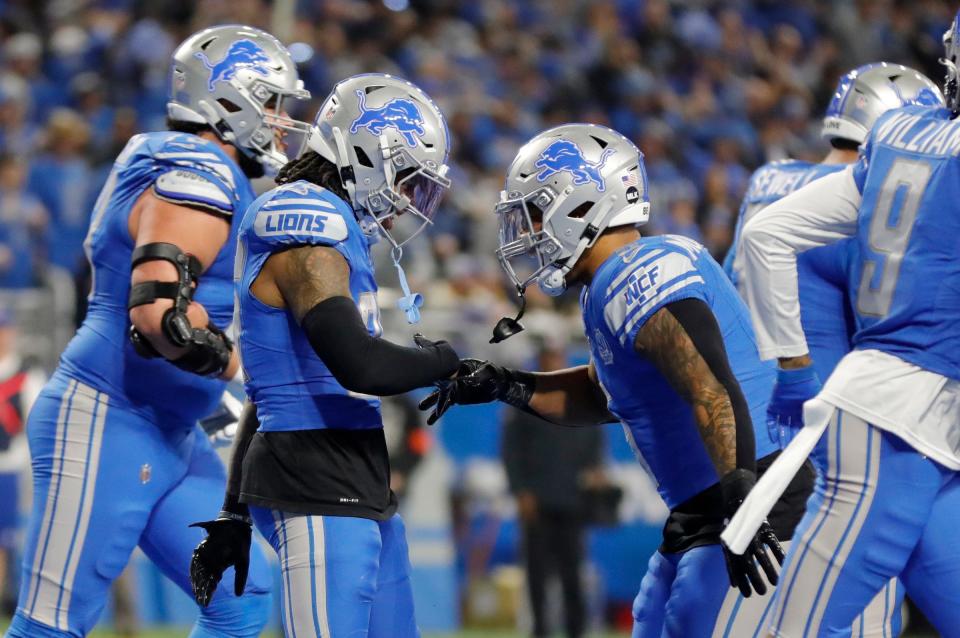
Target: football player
x=887, y=503
x=118, y=459
x=673, y=357
x=862, y=96
x=315, y=477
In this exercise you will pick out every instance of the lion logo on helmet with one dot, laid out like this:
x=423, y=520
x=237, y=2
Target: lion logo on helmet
x=566, y=156
x=242, y=54
x=398, y=113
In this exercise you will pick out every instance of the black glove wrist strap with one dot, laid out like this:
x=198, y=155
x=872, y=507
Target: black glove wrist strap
x=517, y=388
x=225, y=515
x=235, y=510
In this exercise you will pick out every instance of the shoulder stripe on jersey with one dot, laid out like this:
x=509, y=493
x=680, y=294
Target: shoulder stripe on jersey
x=640, y=312
x=188, y=156
x=182, y=185
x=622, y=276
x=316, y=203
x=208, y=161
x=664, y=264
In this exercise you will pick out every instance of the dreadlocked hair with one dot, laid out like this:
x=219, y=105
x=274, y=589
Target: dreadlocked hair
x=313, y=167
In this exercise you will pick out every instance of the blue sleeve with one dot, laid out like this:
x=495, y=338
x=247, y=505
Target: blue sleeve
x=648, y=287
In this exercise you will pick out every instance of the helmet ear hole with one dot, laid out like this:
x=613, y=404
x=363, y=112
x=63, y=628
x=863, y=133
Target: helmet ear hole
x=581, y=211
x=228, y=105
x=362, y=157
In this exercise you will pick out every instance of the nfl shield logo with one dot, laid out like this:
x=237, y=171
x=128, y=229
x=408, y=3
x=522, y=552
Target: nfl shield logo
x=145, y=473
x=603, y=349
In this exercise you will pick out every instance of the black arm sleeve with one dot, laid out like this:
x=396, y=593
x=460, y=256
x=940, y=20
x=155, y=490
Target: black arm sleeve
x=700, y=324
x=246, y=428
x=366, y=364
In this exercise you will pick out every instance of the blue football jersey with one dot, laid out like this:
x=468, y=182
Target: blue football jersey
x=905, y=266
x=825, y=311
x=628, y=289
x=291, y=387
x=181, y=168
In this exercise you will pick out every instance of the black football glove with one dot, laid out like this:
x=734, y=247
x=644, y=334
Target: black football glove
x=742, y=568
x=227, y=543
x=479, y=389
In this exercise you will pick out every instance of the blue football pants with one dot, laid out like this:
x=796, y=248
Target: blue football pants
x=343, y=577
x=688, y=595
x=105, y=481
x=880, y=510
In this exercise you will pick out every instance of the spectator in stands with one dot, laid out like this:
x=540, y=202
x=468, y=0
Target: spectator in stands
x=23, y=222
x=20, y=383
x=23, y=54
x=62, y=178
x=546, y=470
x=18, y=135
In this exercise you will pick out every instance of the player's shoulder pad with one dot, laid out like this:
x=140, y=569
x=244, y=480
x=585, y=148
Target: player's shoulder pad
x=193, y=171
x=302, y=213
x=660, y=270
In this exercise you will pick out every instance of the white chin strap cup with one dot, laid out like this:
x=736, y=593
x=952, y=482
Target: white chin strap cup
x=552, y=281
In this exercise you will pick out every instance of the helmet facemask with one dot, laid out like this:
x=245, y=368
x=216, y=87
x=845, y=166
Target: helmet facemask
x=410, y=187
x=277, y=128
x=521, y=243
x=951, y=84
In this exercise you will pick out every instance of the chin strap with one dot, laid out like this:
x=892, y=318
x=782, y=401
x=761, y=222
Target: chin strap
x=410, y=302
x=507, y=326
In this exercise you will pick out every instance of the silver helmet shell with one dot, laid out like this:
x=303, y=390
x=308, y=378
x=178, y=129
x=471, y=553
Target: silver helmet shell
x=565, y=187
x=869, y=91
x=391, y=143
x=236, y=79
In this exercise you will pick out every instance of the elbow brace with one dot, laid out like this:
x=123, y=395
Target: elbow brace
x=208, y=349
x=366, y=364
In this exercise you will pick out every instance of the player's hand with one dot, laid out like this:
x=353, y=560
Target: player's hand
x=442, y=350
x=742, y=569
x=227, y=544
x=793, y=388
x=475, y=382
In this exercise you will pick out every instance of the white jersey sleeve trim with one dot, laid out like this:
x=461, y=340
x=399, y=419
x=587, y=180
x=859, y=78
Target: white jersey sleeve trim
x=189, y=187
x=818, y=214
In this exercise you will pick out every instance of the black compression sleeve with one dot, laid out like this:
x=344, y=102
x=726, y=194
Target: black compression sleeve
x=700, y=324
x=366, y=364
x=246, y=428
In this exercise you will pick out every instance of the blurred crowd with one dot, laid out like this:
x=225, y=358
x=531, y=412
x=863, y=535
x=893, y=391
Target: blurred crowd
x=707, y=89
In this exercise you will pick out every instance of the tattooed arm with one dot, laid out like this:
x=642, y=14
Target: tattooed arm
x=684, y=342
x=313, y=283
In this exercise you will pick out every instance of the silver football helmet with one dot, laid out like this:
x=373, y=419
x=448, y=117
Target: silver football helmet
x=391, y=143
x=236, y=79
x=564, y=188
x=869, y=91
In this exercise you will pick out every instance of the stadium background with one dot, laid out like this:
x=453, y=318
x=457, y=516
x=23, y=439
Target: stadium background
x=708, y=91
